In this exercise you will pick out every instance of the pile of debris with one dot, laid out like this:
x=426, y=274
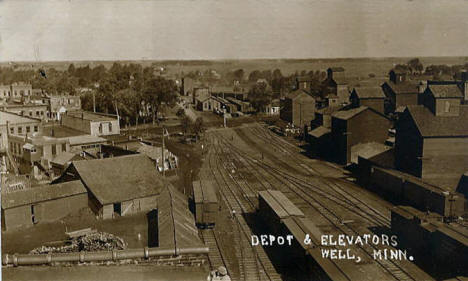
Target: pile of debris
x=85, y=240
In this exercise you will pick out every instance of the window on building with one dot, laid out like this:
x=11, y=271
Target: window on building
x=100, y=128
x=447, y=106
x=54, y=149
x=12, y=130
x=110, y=127
x=28, y=129
x=64, y=147
x=20, y=130
x=37, y=113
x=30, y=113
x=35, y=128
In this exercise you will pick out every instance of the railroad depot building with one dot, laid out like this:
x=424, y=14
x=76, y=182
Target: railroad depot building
x=356, y=126
x=46, y=203
x=96, y=124
x=298, y=108
x=432, y=144
x=117, y=186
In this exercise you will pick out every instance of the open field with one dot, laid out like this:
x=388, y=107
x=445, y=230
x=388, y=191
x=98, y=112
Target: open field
x=356, y=67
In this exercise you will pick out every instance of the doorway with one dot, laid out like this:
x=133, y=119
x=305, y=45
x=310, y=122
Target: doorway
x=118, y=208
x=34, y=217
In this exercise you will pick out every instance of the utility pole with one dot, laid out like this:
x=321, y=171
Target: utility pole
x=162, y=154
x=224, y=115
x=94, y=102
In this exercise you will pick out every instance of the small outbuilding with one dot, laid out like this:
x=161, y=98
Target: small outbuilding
x=118, y=186
x=46, y=203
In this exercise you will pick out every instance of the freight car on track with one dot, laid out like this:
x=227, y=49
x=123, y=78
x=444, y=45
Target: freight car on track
x=206, y=203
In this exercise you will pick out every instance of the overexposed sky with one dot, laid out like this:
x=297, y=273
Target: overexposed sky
x=207, y=29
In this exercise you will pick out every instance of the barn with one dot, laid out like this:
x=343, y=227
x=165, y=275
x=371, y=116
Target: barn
x=118, y=186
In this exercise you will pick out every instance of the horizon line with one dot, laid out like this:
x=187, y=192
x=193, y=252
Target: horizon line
x=231, y=59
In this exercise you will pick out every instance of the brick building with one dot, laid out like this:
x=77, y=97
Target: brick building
x=39, y=111
x=13, y=124
x=59, y=104
x=96, y=124
x=21, y=90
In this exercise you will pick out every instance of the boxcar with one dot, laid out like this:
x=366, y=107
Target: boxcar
x=206, y=203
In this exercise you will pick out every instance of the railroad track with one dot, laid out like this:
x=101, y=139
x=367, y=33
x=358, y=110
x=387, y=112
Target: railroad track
x=254, y=264
x=342, y=198
x=215, y=256
x=390, y=266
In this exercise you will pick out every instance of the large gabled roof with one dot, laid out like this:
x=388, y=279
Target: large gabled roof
x=119, y=179
x=372, y=92
x=42, y=193
x=430, y=125
x=350, y=113
x=445, y=91
x=406, y=87
x=296, y=93
x=176, y=223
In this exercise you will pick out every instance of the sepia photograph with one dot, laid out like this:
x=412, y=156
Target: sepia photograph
x=220, y=140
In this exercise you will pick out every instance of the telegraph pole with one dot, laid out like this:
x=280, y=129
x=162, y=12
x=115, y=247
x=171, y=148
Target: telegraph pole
x=224, y=115
x=162, y=154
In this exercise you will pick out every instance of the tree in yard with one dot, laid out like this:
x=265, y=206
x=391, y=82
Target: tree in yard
x=185, y=123
x=127, y=103
x=239, y=74
x=259, y=96
x=415, y=65
x=254, y=76
x=159, y=91
x=198, y=126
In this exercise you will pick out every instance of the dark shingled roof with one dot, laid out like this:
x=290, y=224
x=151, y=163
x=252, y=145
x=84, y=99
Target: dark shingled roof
x=42, y=193
x=446, y=91
x=348, y=114
x=407, y=87
x=369, y=92
x=121, y=178
x=430, y=125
